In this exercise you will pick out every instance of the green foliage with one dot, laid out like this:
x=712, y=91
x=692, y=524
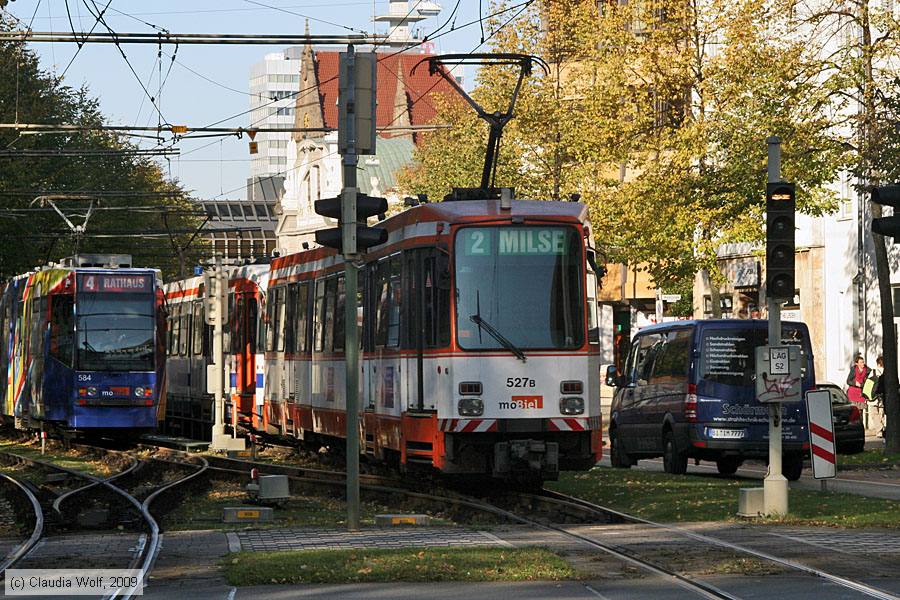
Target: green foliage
x=30, y=95
x=407, y=564
x=687, y=498
x=657, y=114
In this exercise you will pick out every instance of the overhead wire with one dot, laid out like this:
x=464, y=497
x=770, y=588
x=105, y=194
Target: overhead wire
x=435, y=35
x=112, y=32
x=81, y=45
x=523, y=6
x=296, y=14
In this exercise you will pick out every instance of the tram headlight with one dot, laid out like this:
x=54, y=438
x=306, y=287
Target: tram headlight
x=92, y=392
x=139, y=392
x=470, y=407
x=571, y=405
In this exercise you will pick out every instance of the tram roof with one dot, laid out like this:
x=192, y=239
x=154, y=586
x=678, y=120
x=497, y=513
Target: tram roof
x=453, y=213
x=469, y=210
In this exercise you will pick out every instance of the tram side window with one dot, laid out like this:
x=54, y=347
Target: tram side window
x=185, y=333
x=254, y=328
x=330, y=293
x=280, y=307
x=175, y=329
x=270, y=320
x=38, y=321
x=62, y=323
x=237, y=325
x=382, y=302
x=436, y=288
x=290, y=316
x=319, y=316
x=199, y=328
x=302, y=317
x=396, y=302
x=339, y=315
x=226, y=331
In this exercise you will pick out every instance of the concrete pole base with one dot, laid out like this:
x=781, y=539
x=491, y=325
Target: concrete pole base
x=776, y=495
x=226, y=443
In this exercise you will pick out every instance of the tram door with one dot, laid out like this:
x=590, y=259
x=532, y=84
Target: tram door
x=413, y=279
x=244, y=340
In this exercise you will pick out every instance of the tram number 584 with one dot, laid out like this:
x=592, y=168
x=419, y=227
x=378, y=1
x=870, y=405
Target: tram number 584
x=519, y=382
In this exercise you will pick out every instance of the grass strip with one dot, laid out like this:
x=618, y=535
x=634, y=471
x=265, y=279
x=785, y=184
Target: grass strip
x=204, y=511
x=869, y=457
x=390, y=565
x=684, y=498
x=70, y=459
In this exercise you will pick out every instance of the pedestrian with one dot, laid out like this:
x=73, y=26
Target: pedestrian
x=878, y=388
x=754, y=313
x=859, y=373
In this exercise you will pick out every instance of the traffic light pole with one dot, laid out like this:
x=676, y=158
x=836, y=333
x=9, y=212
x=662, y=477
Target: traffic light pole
x=217, y=376
x=775, y=484
x=351, y=345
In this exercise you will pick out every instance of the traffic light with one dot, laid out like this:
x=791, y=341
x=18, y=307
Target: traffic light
x=888, y=195
x=363, y=207
x=780, y=207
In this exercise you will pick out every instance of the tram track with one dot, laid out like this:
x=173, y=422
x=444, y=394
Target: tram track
x=37, y=532
x=140, y=555
x=844, y=582
x=542, y=511
x=373, y=484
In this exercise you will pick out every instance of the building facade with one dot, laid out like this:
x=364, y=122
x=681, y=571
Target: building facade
x=314, y=166
x=274, y=85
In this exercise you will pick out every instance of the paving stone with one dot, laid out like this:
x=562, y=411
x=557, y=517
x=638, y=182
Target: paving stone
x=319, y=538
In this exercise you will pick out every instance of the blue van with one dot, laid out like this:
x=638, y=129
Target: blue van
x=688, y=391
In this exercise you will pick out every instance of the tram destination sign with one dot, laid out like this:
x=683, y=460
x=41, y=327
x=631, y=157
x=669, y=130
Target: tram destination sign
x=517, y=241
x=101, y=282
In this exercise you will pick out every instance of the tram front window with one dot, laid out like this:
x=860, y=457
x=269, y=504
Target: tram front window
x=524, y=283
x=115, y=331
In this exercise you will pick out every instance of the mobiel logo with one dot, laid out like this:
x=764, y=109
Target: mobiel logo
x=522, y=403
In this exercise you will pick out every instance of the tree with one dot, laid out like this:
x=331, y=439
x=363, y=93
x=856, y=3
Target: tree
x=34, y=236
x=657, y=113
x=857, y=41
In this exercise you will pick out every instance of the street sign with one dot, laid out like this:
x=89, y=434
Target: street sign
x=671, y=297
x=778, y=374
x=821, y=433
x=778, y=361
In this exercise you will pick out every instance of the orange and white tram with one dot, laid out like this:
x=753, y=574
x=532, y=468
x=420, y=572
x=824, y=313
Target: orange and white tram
x=478, y=338
x=479, y=347
x=189, y=411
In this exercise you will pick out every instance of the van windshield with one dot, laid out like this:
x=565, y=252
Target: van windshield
x=728, y=354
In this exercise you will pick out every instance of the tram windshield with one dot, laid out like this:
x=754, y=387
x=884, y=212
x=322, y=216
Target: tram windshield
x=115, y=331
x=519, y=287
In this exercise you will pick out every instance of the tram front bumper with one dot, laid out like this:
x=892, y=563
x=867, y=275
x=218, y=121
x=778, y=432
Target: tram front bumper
x=526, y=457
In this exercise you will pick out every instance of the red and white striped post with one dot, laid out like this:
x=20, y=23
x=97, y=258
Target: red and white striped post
x=821, y=434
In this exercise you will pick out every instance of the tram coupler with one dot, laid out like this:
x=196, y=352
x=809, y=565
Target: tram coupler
x=526, y=457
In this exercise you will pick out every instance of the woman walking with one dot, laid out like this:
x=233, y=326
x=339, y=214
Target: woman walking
x=859, y=372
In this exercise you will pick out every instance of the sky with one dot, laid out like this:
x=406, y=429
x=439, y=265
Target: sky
x=206, y=84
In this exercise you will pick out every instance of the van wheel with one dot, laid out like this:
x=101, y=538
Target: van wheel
x=674, y=462
x=728, y=465
x=792, y=466
x=617, y=458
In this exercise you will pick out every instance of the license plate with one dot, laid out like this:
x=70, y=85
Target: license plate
x=726, y=434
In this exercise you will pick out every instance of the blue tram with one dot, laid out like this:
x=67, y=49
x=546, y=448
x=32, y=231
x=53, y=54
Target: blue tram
x=83, y=347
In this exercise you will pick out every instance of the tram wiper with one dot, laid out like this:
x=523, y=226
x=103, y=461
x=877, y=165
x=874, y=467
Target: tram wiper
x=478, y=320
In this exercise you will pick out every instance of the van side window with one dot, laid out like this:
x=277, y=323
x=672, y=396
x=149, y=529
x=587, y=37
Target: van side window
x=647, y=346
x=674, y=358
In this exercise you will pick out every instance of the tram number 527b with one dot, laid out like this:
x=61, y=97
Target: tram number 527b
x=519, y=382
